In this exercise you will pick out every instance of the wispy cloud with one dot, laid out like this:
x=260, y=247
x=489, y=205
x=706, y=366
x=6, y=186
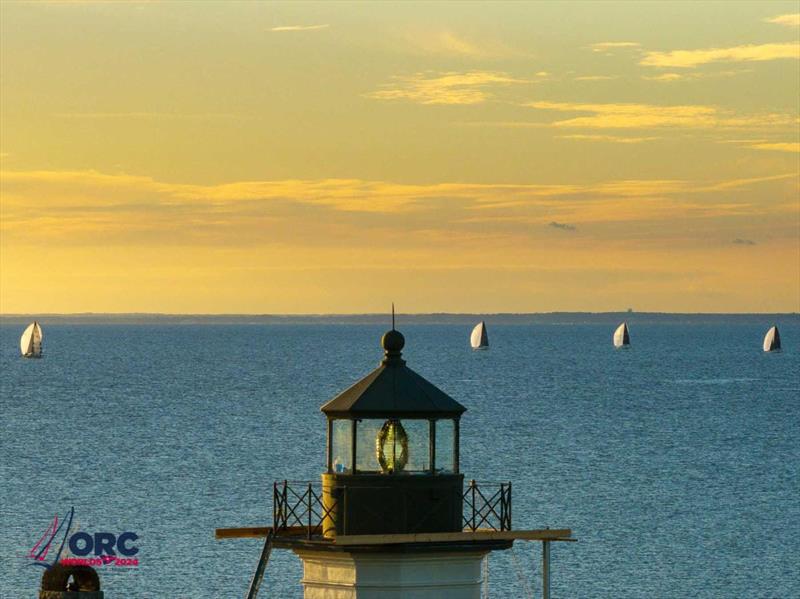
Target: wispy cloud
x=789, y=20
x=596, y=78
x=651, y=116
x=73, y=193
x=683, y=59
x=694, y=75
x=665, y=77
x=792, y=147
x=630, y=116
x=607, y=47
x=562, y=226
x=450, y=43
x=444, y=88
x=740, y=241
x=506, y=124
x=300, y=27
x=120, y=227
x=446, y=42
x=617, y=139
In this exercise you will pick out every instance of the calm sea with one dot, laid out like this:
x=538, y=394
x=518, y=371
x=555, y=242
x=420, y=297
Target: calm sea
x=675, y=463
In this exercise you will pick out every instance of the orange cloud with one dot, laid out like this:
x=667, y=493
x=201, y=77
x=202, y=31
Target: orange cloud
x=792, y=147
x=300, y=27
x=652, y=116
x=617, y=139
x=609, y=46
x=683, y=59
x=444, y=88
x=789, y=20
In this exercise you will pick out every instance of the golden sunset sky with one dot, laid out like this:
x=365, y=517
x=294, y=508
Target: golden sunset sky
x=200, y=157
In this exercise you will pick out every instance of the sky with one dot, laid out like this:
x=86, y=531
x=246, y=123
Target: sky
x=201, y=157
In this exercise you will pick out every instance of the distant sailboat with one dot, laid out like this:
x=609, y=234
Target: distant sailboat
x=479, y=339
x=621, y=337
x=772, y=340
x=30, y=344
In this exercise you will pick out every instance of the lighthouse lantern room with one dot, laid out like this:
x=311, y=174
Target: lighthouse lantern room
x=392, y=453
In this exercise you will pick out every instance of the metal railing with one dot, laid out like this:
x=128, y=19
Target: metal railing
x=299, y=504
x=493, y=512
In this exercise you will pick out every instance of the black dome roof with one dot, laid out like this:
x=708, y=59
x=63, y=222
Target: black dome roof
x=393, y=390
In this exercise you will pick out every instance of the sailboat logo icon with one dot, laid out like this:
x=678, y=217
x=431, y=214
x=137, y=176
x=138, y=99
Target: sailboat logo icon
x=42, y=547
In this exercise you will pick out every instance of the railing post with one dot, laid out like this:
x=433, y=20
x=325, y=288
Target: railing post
x=275, y=504
x=509, y=506
x=545, y=569
x=309, y=510
x=472, y=484
x=502, y=506
x=285, y=503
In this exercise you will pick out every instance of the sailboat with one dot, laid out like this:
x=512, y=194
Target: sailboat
x=772, y=340
x=479, y=339
x=621, y=337
x=30, y=344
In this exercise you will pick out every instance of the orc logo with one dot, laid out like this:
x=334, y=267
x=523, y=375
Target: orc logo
x=106, y=546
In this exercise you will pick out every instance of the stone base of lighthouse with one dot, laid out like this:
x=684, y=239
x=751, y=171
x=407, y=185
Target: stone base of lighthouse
x=392, y=575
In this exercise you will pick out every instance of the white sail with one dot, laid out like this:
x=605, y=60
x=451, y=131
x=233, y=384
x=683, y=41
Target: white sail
x=479, y=339
x=621, y=337
x=772, y=340
x=30, y=344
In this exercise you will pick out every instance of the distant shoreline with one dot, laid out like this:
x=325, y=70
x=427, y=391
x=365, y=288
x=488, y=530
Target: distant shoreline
x=402, y=319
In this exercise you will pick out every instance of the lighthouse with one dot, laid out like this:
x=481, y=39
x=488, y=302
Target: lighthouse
x=392, y=516
x=392, y=453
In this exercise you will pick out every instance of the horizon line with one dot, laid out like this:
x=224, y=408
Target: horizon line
x=338, y=314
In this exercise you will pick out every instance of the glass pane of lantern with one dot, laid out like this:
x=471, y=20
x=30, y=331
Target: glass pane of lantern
x=366, y=435
x=341, y=453
x=445, y=446
x=418, y=432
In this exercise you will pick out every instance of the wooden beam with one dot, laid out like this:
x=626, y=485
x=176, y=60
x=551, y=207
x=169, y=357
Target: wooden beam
x=547, y=534
x=249, y=532
x=563, y=534
x=258, y=532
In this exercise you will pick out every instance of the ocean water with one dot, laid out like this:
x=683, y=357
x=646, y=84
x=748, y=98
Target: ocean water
x=675, y=463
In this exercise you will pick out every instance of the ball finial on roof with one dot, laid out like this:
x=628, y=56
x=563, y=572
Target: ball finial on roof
x=393, y=342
